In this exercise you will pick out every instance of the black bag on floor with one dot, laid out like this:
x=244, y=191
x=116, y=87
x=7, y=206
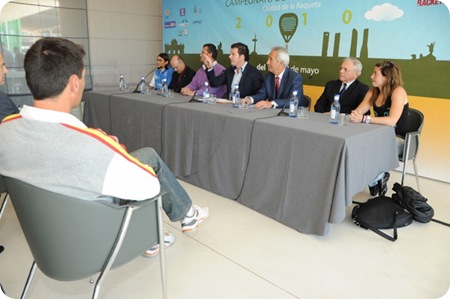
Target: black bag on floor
x=381, y=213
x=414, y=202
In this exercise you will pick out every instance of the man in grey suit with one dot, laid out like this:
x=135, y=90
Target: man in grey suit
x=351, y=90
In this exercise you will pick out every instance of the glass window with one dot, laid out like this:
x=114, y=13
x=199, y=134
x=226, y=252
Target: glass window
x=23, y=22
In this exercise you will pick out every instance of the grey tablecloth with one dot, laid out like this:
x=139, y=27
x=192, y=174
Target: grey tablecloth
x=96, y=109
x=304, y=172
x=299, y=172
x=208, y=145
x=136, y=119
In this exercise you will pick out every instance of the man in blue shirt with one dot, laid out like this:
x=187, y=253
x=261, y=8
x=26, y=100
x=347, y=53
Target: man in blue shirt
x=163, y=71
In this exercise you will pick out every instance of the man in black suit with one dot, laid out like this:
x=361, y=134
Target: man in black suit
x=182, y=74
x=279, y=83
x=351, y=95
x=240, y=72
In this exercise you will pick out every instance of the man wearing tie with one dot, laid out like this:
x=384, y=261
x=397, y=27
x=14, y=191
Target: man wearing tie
x=350, y=89
x=279, y=83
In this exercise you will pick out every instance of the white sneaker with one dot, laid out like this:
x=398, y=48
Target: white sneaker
x=169, y=239
x=191, y=223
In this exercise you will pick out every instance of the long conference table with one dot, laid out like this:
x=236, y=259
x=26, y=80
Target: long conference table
x=302, y=173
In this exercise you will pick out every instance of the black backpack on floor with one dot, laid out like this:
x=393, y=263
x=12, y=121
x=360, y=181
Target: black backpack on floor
x=414, y=202
x=381, y=213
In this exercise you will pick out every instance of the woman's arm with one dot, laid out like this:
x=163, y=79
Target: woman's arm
x=357, y=115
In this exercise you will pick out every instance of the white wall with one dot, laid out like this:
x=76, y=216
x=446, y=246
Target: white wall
x=125, y=37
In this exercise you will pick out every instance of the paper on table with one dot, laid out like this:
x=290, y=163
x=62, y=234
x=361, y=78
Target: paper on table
x=223, y=101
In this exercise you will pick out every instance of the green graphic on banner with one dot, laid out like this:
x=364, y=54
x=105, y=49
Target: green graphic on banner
x=288, y=24
x=319, y=34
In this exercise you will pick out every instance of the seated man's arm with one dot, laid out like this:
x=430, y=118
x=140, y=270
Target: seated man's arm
x=260, y=95
x=322, y=105
x=7, y=106
x=187, y=92
x=126, y=177
x=256, y=81
x=214, y=80
x=194, y=85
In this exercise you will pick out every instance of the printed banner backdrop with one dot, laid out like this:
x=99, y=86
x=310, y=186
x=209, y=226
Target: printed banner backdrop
x=319, y=34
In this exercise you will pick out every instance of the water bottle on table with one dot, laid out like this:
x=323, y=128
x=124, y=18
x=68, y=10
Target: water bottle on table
x=335, y=110
x=164, y=89
x=142, y=87
x=206, y=93
x=293, y=104
x=236, y=96
x=122, y=83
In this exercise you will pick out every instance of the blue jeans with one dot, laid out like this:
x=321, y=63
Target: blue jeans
x=175, y=201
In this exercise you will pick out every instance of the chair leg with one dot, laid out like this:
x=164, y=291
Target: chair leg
x=416, y=174
x=115, y=250
x=162, y=252
x=404, y=171
x=5, y=201
x=405, y=157
x=29, y=279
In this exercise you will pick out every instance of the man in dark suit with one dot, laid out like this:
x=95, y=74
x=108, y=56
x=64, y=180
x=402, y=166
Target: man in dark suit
x=240, y=72
x=279, y=83
x=182, y=74
x=7, y=106
x=351, y=95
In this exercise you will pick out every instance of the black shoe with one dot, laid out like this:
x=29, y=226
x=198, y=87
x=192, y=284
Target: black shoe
x=374, y=190
x=383, y=184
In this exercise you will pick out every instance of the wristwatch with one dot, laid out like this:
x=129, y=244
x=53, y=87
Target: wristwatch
x=367, y=120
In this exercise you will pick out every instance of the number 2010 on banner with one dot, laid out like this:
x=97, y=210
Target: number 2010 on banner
x=346, y=19
x=269, y=19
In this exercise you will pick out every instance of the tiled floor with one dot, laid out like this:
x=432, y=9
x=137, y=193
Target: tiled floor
x=240, y=254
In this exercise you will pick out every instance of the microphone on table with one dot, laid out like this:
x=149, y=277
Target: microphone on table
x=282, y=112
x=137, y=86
x=193, y=99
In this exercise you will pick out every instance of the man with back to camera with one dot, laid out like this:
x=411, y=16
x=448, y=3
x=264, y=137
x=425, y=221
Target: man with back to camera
x=350, y=89
x=7, y=106
x=198, y=82
x=182, y=74
x=48, y=147
x=240, y=72
x=279, y=83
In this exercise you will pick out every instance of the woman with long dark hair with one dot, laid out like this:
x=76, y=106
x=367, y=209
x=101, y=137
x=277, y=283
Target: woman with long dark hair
x=390, y=105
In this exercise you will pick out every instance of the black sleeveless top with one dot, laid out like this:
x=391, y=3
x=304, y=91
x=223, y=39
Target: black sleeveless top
x=401, y=128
